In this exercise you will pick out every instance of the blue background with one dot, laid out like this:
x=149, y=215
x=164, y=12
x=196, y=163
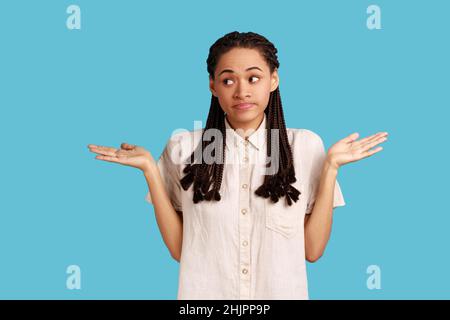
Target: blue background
x=136, y=71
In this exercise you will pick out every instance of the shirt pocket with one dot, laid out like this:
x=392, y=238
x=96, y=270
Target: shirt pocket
x=285, y=219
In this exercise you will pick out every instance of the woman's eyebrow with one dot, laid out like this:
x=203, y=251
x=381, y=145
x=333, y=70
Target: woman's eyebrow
x=231, y=71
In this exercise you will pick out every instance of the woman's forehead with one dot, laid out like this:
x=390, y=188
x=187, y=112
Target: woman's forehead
x=241, y=60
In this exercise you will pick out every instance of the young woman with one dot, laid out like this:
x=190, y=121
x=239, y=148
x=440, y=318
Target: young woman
x=244, y=201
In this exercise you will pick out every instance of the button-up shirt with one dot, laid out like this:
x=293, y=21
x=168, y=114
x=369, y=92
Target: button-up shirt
x=244, y=246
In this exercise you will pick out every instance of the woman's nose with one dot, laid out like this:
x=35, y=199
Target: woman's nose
x=242, y=91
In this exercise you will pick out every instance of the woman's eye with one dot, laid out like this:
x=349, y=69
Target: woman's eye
x=229, y=81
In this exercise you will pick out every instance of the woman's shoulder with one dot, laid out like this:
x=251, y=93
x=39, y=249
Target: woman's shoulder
x=303, y=135
x=176, y=148
x=183, y=136
x=182, y=143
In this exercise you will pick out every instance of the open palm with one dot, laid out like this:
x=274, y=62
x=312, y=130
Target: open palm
x=349, y=150
x=127, y=154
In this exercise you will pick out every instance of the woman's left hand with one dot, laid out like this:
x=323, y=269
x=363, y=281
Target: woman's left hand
x=349, y=150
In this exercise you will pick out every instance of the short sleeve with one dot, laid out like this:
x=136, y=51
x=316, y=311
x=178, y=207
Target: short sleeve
x=317, y=153
x=170, y=174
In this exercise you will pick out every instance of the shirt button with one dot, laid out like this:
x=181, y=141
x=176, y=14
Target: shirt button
x=244, y=271
x=245, y=159
x=246, y=142
x=244, y=186
x=245, y=243
x=244, y=211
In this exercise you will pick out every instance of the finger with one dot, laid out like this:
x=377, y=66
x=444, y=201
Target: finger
x=108, y=158
x=104, y=152
x=127, y=146
x=371, y=138
x=372, y=152
x=102, y=148
x=351, y=137
x=367, y=139
x=372, y=143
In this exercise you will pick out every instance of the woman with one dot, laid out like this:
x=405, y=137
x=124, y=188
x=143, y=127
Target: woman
x=243, y=202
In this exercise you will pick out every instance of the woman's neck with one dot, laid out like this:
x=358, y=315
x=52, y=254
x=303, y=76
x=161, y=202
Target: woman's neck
x=245, y=129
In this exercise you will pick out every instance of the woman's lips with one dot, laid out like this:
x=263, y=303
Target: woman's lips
x=243, y=106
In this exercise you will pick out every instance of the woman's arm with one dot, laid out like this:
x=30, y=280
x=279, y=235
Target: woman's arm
x=170, y=222
x=318, y=223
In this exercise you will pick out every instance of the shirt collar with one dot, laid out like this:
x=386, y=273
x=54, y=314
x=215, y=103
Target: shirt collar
x=256, y=138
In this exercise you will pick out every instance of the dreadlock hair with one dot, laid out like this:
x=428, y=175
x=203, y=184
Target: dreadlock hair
x=203, y=175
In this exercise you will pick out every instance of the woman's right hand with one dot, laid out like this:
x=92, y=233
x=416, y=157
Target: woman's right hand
x=127, y=154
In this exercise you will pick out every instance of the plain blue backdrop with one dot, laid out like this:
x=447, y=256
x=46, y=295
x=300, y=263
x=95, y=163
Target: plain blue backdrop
x=136, y=71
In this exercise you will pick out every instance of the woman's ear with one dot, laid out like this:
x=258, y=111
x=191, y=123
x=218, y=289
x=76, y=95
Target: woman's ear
x=274, y=80
x=211, y=86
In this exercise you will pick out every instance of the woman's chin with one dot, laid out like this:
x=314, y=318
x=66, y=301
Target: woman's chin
x=244, y=118
x=244, y=114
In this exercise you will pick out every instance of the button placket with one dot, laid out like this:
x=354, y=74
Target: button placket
x=244, y=226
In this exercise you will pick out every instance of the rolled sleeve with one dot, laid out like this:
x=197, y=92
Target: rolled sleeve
x=169, y=170
x=318, y=155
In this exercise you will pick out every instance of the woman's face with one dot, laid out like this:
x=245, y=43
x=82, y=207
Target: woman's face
x=243, y=76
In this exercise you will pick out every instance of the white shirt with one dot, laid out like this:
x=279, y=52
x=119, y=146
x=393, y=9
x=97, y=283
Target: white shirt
x=244, y=246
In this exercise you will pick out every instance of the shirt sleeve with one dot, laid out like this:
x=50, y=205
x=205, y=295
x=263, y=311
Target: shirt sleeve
x=318, y=156
x=169, y=169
